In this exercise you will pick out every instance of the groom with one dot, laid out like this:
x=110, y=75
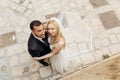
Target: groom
x=38, y=41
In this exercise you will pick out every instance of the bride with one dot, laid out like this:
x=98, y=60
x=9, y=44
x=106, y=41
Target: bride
x=59, y=57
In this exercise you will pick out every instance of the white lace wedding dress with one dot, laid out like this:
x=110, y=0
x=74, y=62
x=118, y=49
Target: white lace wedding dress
x=60, y=62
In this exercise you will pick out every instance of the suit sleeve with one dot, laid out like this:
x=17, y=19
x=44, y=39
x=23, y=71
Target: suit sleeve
x=34, y=53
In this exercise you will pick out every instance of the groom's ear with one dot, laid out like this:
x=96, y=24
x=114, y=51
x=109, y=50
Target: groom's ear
x=33, y=32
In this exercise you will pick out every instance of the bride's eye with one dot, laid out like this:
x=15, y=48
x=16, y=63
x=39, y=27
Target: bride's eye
x=52, y=28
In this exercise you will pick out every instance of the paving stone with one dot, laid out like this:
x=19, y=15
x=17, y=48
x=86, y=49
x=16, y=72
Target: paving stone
x=115, y=30
x=107, y=51
x=35, y=76
x=103, y=35
x=115, y=48
x=14, y=49
x=21, y=9
x=2, y=53
x=28, y=13
x=52, y=15
x=113, y=38
x=26, y=3
x=45, y=72
x=109, y=19
x=118, y=36
x=98, y=3
x=87, y=58
x=105, y=42
x=15, y=1
x=26, y=69
x=17, y=78
x=83, y=47
x=72, y=5
x=13, y=60
x=7, y=39
x=26, y=78
x=21, y=37
x=17, y=14
x=98, y=55
x=4, y=69
x=97, y=43
x=17, y=71
x=35, y=66
x=24, y=58
x=73, y=48
x=75, y=62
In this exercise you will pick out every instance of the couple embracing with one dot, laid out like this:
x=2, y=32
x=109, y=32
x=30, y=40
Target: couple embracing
x=49, y=42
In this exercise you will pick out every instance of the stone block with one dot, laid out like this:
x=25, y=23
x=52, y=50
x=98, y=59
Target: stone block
x=28, y=13
x=15, y=1
x=83, y=47
x=21, y=9
x=96, y=43
x=26, y=78
x=2, y=53
x=13, y=60
x=75, y=62
x=72, y=48
x=24, y=58
x=46, y=6
x=35, y=65
x=106, y=51
x=26, y=3
x=115, y=48
x=14, y=49
x=103, y=35
x=115, y=30
x=105, y=42
x=72, y=5
x=21, y=37
x=45, y=72
x=109, y=19
x=7, y=39
x=98, y=3
x=35, y=76
x=118, y=36
x=52, y=15
x=17, y=78
x=16, y=71
x=4, y=69
x=87, y=58
x=98, y=55
x=26, y=69
x=113, y=38
x=13, y=5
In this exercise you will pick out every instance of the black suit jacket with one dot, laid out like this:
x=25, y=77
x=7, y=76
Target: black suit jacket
x=37, y=48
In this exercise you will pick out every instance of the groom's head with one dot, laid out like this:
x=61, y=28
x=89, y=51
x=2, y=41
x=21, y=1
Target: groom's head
x=37, y=28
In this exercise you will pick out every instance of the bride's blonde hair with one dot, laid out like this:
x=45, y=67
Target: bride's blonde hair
x=59, y=33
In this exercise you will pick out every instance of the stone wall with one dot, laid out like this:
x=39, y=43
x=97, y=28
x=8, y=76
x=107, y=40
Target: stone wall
x=102, y=17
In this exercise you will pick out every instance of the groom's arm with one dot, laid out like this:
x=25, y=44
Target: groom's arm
x=34, y=53
x=54, y=52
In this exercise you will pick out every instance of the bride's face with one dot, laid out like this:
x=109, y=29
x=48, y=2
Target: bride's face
x=52, y=30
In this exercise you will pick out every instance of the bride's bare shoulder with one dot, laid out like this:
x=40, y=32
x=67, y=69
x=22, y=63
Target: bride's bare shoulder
x=62, y=40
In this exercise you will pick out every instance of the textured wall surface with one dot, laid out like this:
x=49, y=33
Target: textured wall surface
x=102, y=17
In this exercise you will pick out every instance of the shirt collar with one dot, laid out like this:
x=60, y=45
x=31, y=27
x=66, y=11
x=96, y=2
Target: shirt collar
x=37, y=37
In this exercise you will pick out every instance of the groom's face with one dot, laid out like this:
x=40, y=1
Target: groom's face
x=39, y=31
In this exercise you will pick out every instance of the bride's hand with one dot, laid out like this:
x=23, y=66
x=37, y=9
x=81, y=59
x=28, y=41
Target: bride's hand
x=36, y=58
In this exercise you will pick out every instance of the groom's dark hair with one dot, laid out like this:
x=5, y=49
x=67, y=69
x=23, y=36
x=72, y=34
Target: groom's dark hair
x=34, y=23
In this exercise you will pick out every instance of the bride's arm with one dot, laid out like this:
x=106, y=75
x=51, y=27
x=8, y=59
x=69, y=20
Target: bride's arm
x=54, y=52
